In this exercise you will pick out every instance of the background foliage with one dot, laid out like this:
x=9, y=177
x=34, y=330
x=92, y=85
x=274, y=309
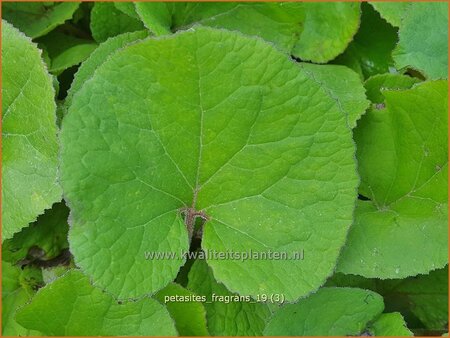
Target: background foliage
x=325, y=130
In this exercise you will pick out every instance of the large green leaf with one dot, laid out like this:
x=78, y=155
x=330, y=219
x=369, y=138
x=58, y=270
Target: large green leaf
x=344, y=86
x=329, y=312
x=65, y=50
x=370, y=52
x=246, y=138
x=310, y=31
x=18, y=286
x=423, y=35
x=29, y=144
x=389, y=325
x=107, y=21
x=99, y=56
x=403, y=160
x=37, y=18
x=48, y=236
x=226, y=315
x=83, y=310
x=328, y=29
x=189, y=315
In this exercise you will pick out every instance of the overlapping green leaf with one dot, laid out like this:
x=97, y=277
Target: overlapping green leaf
x=37, y=18
x=310, y=31
x=226, y=314
x=29, y=145
x=276, y=22
x=403, y=161
x=83, y=310
x=329, y=312
x=235, y=133
x=107, y=21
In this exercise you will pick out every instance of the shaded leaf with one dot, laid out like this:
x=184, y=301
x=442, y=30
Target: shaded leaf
x=65, y=50
x=18, y=286
x=370, y=52
x=48, y=235
x=427, y=296
x=38, y=18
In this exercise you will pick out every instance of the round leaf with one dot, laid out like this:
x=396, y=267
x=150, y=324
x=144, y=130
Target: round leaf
x=247, y=139
x=403, y=162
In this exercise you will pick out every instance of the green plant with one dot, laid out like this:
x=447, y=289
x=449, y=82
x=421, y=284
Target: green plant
x=301, y=148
